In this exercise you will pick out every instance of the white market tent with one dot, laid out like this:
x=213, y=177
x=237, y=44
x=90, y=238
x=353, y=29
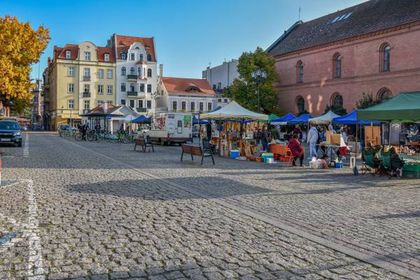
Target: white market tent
x=233, y=111
x=324, y=119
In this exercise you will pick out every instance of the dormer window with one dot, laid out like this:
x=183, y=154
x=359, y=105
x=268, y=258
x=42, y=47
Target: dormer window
x=132, y=56
x=68, y=54
x=149, y=57
x=193, y=89
x=141, y=57
x=123, y=56
x=106, y=57
x=87, y=56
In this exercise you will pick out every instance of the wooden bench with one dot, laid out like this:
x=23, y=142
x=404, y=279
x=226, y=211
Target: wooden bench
x=143, y=143
x=195, y=150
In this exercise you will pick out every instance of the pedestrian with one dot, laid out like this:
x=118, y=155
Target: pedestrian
x=297, y=150
x=265, y=138
x=312, y=139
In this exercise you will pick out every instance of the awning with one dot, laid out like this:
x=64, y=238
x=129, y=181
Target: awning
x=302, y=119
x=283, y=120
x=234, y=111
x=324, y=119
x=351, y=118
x=141, y=119
x=404, y=107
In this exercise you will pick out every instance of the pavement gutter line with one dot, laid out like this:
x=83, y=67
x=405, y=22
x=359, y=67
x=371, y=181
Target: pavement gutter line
x=373, y=260
x=26, y=146
x=35, y=264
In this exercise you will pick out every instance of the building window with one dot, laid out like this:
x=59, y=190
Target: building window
x=139, y=71
x=70, y=88
x=337, y=66
x=109, y=102
x=132, y=87
x=149, y=88
x=336, y=101
x=106, y=57
x=141, y=104
x=68, y=54
x=100, y=89
x=109, y=73
x=132, y=56
x=385, y=57
x=123, y=87
x=86, y=72
x=141, y=87
x=300, y=103
x=86, y=104
x=226, y=100
x=192, y=106
x=209, y=107
x=141, y=57
x=123, y=56
x=71, y=104
x=383, y=94
x=86, y=88
x=132, y=71
x=219, y=100
x=123, y=71
x=183, y=106
x=100, y=73
x=149, y=57
x=100, y=102
x=132, y=103
x=214, y=87
x=70, y=71
x=299, y=72
x=149, y=73
x=219, y=86
x=174, y=106
x=87, y=56
x=109, y=89
x=201, y=107
x=149, y=104
x=122, y=101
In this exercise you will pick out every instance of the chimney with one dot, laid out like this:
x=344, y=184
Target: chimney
x=161, y=70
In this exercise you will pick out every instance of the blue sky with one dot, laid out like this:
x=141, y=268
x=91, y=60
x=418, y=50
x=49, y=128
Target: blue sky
x=189, y=34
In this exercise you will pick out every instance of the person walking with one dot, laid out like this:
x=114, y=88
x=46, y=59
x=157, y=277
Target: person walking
x=297, y=150
x=312, y=139
x=265, y=138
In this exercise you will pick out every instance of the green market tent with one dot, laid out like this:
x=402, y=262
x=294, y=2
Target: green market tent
x=404, y=107
x=272, y=117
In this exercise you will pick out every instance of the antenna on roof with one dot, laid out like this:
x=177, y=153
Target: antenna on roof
x=300, y=9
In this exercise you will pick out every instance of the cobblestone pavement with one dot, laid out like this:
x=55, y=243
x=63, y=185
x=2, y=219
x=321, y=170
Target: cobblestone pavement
x=79, y=211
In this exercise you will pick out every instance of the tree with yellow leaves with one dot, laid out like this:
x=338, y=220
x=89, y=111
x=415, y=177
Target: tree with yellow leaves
x=20, y=46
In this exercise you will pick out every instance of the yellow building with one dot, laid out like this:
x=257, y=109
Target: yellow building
x=78, y=78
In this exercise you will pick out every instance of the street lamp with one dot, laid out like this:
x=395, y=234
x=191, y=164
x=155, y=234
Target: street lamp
x=259, y=75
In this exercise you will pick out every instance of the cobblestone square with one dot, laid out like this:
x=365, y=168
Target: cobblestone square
x=93, y=210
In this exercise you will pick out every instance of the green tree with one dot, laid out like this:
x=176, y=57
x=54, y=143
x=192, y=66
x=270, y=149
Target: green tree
x=366, y=101
x=244, y=90
x=20, y=46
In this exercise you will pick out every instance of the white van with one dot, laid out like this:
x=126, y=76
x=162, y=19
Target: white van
x=171, y=128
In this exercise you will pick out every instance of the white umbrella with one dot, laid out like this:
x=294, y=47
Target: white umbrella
x=233, y=111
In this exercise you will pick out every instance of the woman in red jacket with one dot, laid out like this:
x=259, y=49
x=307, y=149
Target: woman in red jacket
x=296, y=149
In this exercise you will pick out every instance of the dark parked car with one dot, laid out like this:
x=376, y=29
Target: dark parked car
x=10, y=132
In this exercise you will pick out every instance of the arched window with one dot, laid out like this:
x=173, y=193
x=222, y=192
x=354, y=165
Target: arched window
x=300, y=103
x=299, y=71
x=336, y=101
x=149, y=73
x=149, y=57
x=139, y=71
x=385, y=57
x=383, y=94
x=337, y=66
x=123, y=71
x=132, y=71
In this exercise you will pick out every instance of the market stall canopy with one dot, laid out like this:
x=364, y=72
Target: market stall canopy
x=302, y=119
x=141, y=119
x=351, y=118
x=404, y=107
x=283, y=120
x=324, y=119
x=234, y=111
x=272, y=117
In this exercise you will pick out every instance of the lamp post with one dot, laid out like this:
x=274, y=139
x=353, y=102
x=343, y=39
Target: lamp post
x=259, y=75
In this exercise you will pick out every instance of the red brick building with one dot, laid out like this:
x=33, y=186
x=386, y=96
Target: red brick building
x=371, y=48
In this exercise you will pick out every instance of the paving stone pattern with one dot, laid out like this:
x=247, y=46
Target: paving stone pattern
x=98, y=219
